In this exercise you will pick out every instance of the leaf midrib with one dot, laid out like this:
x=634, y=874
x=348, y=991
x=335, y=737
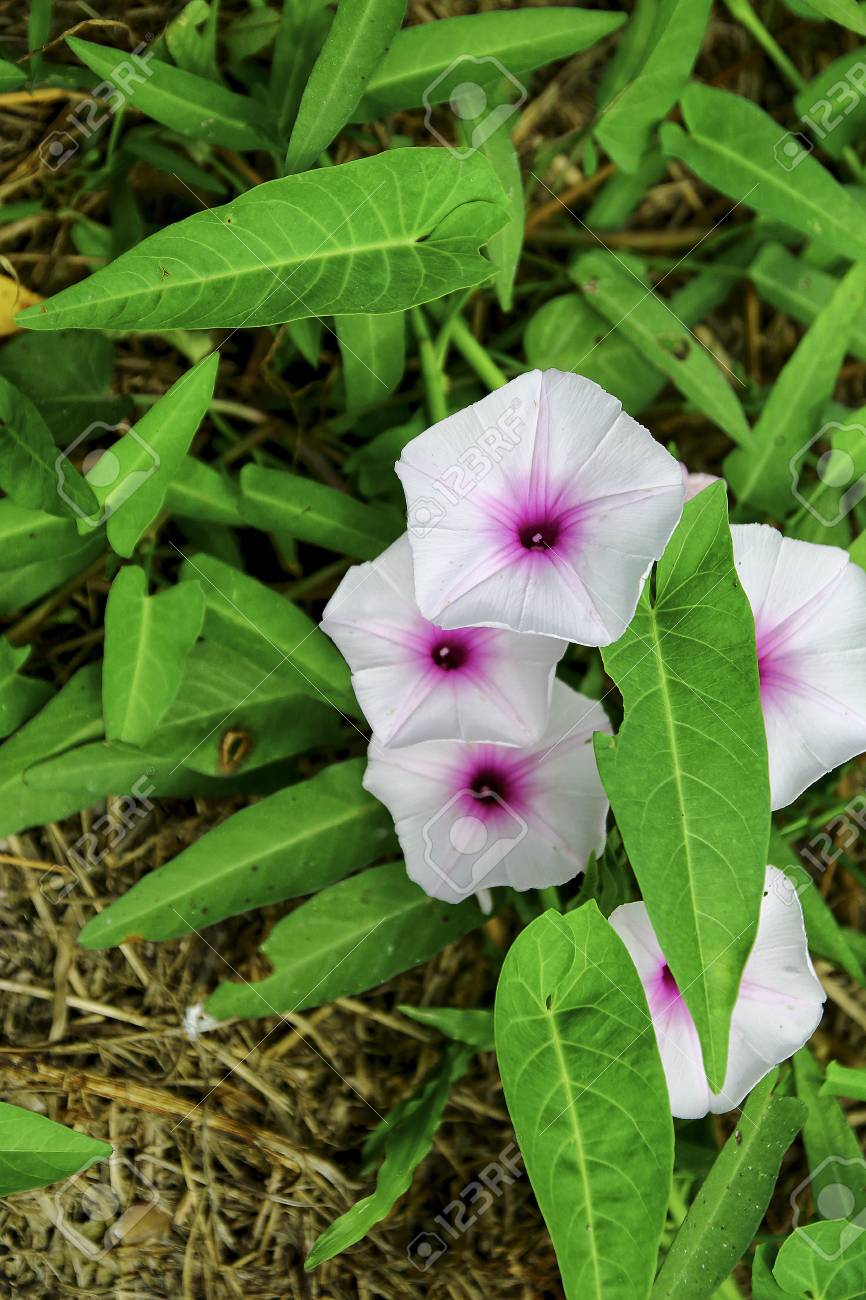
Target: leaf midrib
x=687, y=838
x=743, y=161
x=578, y=1142
x=354, y=813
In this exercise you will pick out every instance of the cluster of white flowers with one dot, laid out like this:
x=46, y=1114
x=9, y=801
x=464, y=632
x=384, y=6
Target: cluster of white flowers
x=534, y=519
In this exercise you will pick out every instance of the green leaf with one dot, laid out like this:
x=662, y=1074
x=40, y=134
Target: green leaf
x=764, y=1285
x=803, y=195
x=407, y=1140
x=20, y=587
x=687, y=774
x=11, y=76
x=145, y=142
x=587, y=1097
x=729, y=1208
x=67, y=378
x=473, y=129
x=793, y=286
x=826, y=1261
x=302, y=27
x=190, y=105
x=380, y=234
x=347, y=939
x=474, y=1027
x=374, y=357
x=147, y=640
x=199, y=491
x=34, y=1151
x=191, y=49
x=832, y=104
x=847, y=12
x=842, y=1082
x=764, y=472
x=228, y=718
x=32, y=470
x=20, y=697
x=653, y=327
x=131, y=479
x=27, y=536
x=230, y=715
x=654, y=85
x=624, y=192
x=73, y=715
x=836, y=1167
x=354, y=48
x=294, y=842
x=246, y=617
x=424, y=66
x=567, y=334
x=275, y=500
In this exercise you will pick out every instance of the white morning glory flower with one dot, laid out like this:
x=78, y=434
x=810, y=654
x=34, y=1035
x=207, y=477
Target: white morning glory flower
x=809, y=603
x=416, y=681
x=541, y=508
x=778, y=1006
x=469, y=817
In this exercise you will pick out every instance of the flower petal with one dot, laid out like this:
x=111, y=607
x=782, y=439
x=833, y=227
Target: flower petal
x=677, y=1038
x=695, y=483
x=471, y=816
x=809, y=603
x=780, y=1001
x=541, y=508
x=778, y=1007
x=417, y=682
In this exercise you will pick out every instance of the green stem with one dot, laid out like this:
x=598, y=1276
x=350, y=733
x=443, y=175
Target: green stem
x=744, y=13
x=476, y=355
x=431, y=371
x=549, y=897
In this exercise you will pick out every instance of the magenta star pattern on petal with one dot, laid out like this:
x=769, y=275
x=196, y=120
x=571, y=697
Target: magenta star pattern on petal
x=416, y=681
x=809, y=603
x=541, y=508
x=469, y=817
x=778, y=1007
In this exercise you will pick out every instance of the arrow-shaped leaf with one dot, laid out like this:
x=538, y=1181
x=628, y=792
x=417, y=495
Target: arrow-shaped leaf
x=147, y=640
x=587, y=1097
x=35, y=1151
x=687, y=774
x=349, y=938
x=294, y=842
x=380, y=234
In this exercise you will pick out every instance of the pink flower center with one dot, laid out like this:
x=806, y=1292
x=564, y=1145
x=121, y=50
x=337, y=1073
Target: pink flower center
x=668, y=983
x=539, y=534
x=489, y=787
x=449, y=655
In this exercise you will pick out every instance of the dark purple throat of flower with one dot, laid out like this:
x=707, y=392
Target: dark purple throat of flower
x=489, y=787
x=539, y=534
x=668, y=983
x=449, y=654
